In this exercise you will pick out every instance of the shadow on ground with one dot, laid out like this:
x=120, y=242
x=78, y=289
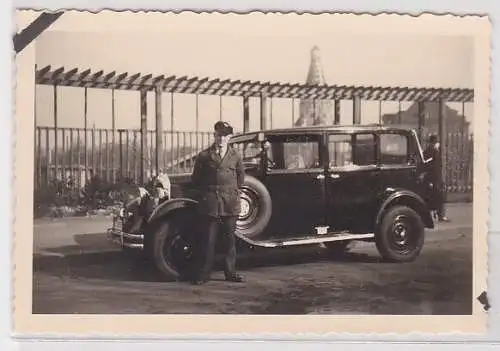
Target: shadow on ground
x=117, y=265
x=279, y=281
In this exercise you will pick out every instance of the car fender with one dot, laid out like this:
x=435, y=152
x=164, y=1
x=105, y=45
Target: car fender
x=406, y=197
x=171, y=205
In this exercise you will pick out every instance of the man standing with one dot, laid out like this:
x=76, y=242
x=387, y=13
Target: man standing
x=433, y=156
x=218, y=175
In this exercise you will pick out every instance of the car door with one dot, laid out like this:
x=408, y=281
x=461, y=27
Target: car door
x=398, y=164
x=296, y=182
x=351, y=180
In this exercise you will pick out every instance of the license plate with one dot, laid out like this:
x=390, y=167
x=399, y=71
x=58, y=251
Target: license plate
x=322, y=230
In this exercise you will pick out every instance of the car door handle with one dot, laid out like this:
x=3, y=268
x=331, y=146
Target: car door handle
x=320, y=176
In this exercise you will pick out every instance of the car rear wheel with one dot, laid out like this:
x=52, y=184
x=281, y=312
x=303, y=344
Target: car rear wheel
x=256, y=208
x=400, y=237
x=173, y=246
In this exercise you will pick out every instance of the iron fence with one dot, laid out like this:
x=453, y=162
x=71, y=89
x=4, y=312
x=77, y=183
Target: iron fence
x=458, y=161
x=76, y=155
x=116, y=155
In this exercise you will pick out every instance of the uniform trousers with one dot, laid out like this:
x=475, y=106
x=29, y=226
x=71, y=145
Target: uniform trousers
x=440, y=199
x=211, y=229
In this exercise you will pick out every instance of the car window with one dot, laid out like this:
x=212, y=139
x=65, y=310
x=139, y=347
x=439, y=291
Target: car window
x=393, y=149
x=294, y=152
x=301, y=155
x=339, y=150
x=365, y=150
x=248, y=149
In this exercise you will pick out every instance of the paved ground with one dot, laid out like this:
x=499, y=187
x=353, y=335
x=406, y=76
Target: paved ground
x=286, y=282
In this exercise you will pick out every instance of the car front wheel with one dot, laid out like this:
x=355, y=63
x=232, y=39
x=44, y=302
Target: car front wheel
x=173, y=247
x=400, y=237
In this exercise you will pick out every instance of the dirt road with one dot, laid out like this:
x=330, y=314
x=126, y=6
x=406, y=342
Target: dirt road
x=301, y=281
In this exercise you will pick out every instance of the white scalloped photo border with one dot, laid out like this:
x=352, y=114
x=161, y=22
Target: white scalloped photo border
x=196, y=326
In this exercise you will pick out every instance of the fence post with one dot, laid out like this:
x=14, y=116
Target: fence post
x=120, y=150
x=263, y=111
x=144, y=134
x=56, y=163
x=399, y=112
x=48, y=160
x=336, y=119
x=159, y=130
x=271, y=113
x=113, y=140
x=79, y=162
x=220, y=107
x=442, y=133
x=172, y=124
x=197, y=122
x=39, y=156
x=356, y=110
x=71, y=152
x=420, y=118
x=246, y=115
x=85, y=127
x=380, y=112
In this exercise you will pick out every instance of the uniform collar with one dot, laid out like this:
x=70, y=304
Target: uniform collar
x=215, y=155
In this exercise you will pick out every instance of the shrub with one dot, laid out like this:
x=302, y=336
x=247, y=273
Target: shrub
x=62, y=196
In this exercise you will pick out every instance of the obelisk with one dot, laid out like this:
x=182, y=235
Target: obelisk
x=315, y=112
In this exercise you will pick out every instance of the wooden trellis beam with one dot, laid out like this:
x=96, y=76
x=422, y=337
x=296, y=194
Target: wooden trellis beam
x=242, y=88
x=191, y=85
x=229, y=87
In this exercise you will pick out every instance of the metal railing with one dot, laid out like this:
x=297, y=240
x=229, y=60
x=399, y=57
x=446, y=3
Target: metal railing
x=116, y=155
x=110, y=155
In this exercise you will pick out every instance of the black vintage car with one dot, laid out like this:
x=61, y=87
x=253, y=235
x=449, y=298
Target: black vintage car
x=303, y=186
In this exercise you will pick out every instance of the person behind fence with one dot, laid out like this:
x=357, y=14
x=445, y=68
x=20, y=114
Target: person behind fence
x=433, y=157
x=217, y=175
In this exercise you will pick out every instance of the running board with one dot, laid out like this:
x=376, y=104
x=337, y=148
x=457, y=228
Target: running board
x=305, y=240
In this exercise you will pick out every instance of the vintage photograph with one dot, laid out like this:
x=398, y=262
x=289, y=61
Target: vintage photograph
x=252, y=164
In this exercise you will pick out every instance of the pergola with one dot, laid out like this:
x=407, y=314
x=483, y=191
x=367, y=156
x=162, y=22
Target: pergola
x=144, y=83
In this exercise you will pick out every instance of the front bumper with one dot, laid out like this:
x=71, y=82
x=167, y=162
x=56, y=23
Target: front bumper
x=116, y=235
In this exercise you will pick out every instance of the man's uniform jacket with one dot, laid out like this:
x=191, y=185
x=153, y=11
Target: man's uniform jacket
x=434, y=167
x=217, y=182
x=434, y=175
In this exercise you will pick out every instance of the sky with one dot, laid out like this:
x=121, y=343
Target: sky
x=246, y=48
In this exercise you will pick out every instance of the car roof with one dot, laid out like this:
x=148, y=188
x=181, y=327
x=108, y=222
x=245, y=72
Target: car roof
x=324, y=128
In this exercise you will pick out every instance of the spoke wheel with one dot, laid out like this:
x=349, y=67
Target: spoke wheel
x=400, y=237
x=249, y=202
x=255, y=208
